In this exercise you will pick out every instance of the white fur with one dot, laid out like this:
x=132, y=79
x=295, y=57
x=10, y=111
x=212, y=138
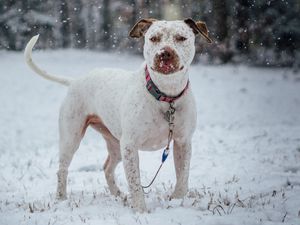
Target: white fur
x=133, y=116
x=35, y=68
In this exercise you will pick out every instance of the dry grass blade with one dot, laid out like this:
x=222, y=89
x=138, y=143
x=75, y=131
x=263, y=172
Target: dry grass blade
x=216, y=208
x=283, y=219
x=31, y=210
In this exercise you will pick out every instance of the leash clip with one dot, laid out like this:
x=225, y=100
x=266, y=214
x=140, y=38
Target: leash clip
x=165, y=155
x=169, y=114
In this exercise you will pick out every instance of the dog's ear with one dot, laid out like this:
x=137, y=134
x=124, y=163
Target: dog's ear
x=198, y=27
x=141, y=27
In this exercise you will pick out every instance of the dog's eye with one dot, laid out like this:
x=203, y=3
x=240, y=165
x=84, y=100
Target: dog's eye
x=180, y=38
x=155, y=39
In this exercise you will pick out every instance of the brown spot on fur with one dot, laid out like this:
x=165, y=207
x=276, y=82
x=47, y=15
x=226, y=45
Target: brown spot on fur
x=96, y=123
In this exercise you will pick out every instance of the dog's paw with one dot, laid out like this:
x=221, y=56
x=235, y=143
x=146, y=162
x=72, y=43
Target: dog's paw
x=117, y=193
x=177, y=195
x=142, y=209
x=123, y=198
x=121, y=195
x=61, y=197
x=139, y=206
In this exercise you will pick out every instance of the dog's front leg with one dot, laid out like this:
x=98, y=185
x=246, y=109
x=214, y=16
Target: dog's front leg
x=130, y=159
x=182, y=156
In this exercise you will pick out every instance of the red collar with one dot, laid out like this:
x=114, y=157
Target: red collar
x=157, y=94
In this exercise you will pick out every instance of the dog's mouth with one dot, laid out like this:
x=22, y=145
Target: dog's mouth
x=167, y=69
x=166, y=62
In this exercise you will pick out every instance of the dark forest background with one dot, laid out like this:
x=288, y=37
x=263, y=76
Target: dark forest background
x=256, y=32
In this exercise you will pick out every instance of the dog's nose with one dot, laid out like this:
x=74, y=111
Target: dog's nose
x=166, y=53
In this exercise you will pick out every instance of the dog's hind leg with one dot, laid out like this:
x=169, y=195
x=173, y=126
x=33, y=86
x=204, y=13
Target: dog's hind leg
x=114, y=155
x=113, y=158
x=71, y=131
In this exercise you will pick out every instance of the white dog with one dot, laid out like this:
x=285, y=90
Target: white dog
x=129, y=108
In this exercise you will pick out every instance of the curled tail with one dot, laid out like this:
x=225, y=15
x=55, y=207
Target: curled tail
x=35, y=68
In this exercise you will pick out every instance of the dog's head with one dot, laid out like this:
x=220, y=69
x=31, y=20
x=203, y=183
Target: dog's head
x=169, y=45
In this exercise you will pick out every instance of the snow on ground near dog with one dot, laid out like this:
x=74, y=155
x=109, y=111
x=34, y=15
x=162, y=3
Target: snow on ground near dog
x=245, y=167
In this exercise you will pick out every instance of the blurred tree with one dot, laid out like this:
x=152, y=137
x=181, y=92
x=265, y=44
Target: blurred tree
x=65, y=23
x=220, y=14
x=134, y=14
x=107, y=24
x=90, y=15
x=78, y=29
x=220, y=30
x=242, y=17
x=7, y=34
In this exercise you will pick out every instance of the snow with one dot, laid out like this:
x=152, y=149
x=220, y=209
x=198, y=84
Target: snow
x=245, y=167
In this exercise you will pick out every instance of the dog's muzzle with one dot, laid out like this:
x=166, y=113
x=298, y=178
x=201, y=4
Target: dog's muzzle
x=166, y=61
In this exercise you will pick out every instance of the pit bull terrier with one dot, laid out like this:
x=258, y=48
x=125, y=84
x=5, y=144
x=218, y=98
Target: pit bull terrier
x=128, y=107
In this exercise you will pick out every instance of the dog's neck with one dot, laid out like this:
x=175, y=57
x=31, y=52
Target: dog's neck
x=171, y=85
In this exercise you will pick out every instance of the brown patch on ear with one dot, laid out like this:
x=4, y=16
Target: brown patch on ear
x=198, y=27
x=141, y=27
x=202, y=26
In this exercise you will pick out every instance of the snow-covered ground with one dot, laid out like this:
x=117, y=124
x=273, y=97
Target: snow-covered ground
x=245, y=167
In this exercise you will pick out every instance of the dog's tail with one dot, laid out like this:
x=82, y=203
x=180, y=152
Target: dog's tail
x=35, y=68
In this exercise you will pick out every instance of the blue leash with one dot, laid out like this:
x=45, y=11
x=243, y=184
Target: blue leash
x=164, y=157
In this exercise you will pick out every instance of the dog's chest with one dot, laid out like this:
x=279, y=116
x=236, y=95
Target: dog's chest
x=155, y=134
x=143, y=119
x=155, y=137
